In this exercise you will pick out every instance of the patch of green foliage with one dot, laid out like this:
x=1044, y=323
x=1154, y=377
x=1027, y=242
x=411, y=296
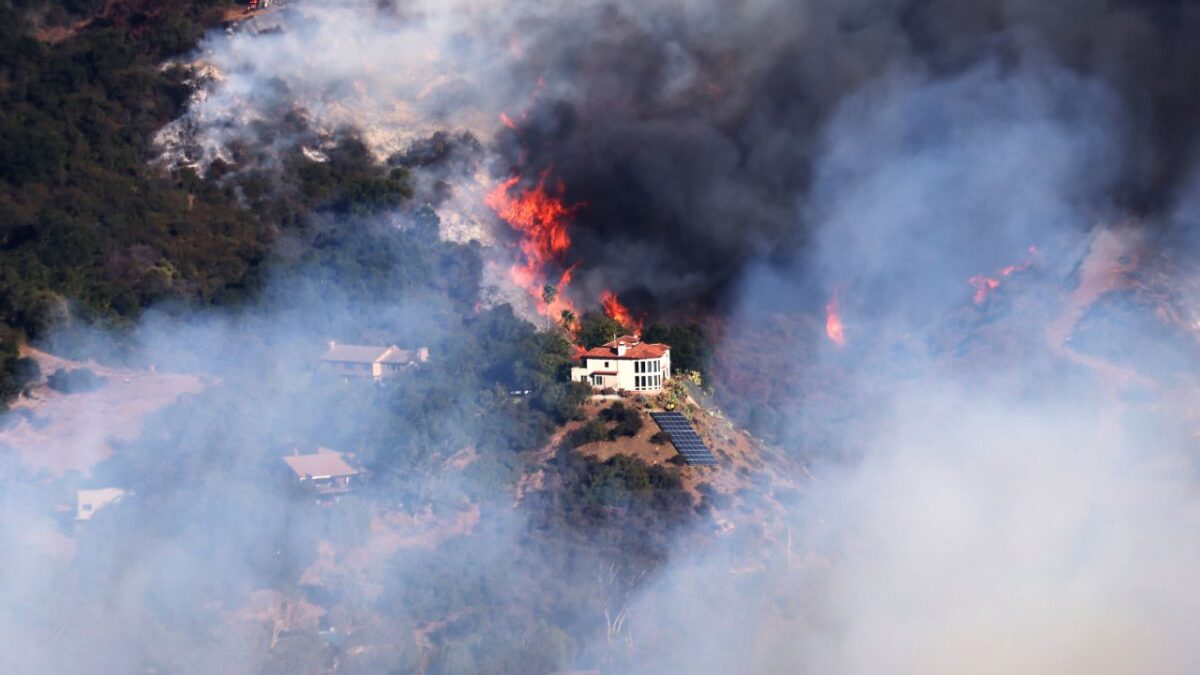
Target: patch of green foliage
x=74, y=381
x=16, y=372
x=595, y=329
x=628, y=420
x=91, y=228
x=89, y=223
x=592, y=432
x=690, y=347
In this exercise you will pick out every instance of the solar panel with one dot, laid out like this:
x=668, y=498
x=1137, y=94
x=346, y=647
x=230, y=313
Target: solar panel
x=685, y=439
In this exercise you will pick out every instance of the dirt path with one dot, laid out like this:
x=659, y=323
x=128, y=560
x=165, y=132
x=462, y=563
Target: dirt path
x=533, y=479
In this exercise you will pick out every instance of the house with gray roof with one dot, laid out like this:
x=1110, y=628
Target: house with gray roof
x=371, y=361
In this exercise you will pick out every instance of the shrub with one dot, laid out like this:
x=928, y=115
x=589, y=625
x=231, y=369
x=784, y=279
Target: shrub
x=589, y=433
x=75, y=381
x=630, y=425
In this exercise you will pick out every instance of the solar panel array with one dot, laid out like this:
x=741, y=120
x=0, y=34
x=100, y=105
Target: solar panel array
x=684, y=438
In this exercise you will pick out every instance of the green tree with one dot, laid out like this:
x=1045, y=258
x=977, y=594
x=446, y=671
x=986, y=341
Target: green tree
x=595, y=329
x=690, y=349
x=549, y=293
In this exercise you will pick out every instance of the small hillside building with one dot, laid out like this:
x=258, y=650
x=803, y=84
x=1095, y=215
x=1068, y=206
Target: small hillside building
x=371, y=361
x=324, y=472
x=88, y=502
x=625, y=364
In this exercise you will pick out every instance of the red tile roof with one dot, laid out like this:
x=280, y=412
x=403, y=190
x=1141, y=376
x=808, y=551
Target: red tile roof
x=634, y=349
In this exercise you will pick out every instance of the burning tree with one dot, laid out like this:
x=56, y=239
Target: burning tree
x=541, y=217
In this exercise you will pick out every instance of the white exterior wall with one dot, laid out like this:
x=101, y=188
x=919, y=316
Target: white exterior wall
x=627, y=373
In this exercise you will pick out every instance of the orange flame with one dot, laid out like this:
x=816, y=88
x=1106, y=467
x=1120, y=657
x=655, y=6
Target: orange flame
x=541, y=217
x=833, y=321
x=507, y=120
x=984, y=284
x=618, y=312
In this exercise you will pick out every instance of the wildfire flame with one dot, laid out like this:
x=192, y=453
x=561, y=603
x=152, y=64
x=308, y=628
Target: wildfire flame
x=540, y=216
x=985, y=284
x=618, y=312
x=833, y=321
x=508, y=121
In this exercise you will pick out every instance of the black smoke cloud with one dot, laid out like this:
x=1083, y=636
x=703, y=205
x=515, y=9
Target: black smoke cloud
x=690, y=130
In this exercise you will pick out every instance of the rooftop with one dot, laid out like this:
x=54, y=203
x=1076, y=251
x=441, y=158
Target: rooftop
x=91, y=501
x=368, y=354
x=634, y=349
x=354, y=353
x=325, y=463
x=397, y=355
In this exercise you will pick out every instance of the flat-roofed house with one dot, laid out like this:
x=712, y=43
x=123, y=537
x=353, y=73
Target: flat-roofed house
x=325, y=472
x=371, y=361
x=625, y=364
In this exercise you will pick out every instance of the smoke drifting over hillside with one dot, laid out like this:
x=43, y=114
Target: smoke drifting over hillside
x=690, y=129
x=1002, y=485
x=1023, y=495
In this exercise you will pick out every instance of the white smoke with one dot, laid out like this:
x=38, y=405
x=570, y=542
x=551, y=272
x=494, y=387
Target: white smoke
x=1011, y=510
x=394, y=77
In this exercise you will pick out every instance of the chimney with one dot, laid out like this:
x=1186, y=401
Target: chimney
x=621, y=348
x=423, y=354
x=332, y=345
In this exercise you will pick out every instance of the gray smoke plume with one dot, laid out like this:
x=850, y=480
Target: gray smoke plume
x=689, y=130
x=1022, y=495
x=1006, y=486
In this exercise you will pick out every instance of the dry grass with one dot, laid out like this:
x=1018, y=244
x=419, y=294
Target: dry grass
x=58, y=432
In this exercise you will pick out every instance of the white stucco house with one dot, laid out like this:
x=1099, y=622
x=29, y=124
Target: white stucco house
x=626, y=364
x=371, y=361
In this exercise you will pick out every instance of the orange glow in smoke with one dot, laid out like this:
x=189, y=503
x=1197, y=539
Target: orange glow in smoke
x=619, y=313
x=541, y=218
x=833, y=321
x=508, y=121
x=985, y=284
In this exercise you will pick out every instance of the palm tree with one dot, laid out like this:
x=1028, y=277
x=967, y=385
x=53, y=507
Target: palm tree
x=567, y=320
x=549, y=292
